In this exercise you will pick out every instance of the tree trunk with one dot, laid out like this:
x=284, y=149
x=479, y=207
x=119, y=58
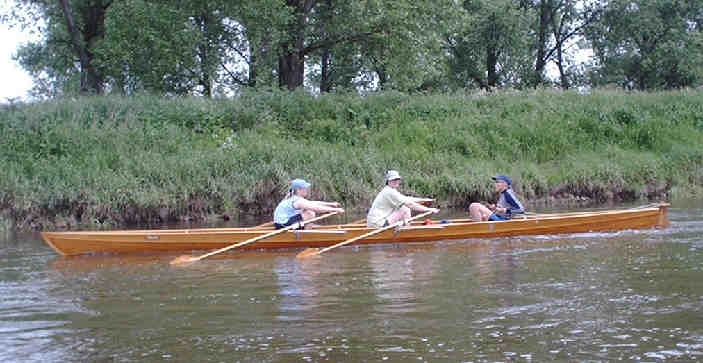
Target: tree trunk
x=204, y=52
x=560, y=38
x=383, y=76
x=291, y=61
x=257, y=58
x=492, y=52
x=206, y=82
x=492, y=65
x=291, y=67
x=545, y=10
x=253, y=69
x=326, y=58
x=92, y=79
x=560, y=65
x=326, y=72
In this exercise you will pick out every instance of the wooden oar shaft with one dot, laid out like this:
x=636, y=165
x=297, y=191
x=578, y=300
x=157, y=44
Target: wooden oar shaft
x=267, y=235
x=377, y=231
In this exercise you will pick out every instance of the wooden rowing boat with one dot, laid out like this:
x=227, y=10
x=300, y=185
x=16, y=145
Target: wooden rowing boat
x=75, y=243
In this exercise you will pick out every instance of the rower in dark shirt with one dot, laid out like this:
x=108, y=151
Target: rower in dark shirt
x=507, y=206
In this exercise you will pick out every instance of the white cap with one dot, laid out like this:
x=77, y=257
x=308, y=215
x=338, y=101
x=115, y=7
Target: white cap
x=392, y=175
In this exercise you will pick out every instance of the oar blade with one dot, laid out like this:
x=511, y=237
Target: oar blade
x=308, y=252
x=183, y=259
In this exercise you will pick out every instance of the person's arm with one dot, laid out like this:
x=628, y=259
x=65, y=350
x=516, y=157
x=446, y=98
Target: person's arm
x=420, y=208
x=514, y=205
x=398, y=200
x=329, y=204
x=420, y=200
x=490, y=206
x=316, y=206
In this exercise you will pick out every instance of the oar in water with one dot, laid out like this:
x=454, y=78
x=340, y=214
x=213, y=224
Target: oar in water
x=314, y=251
x=189, y=258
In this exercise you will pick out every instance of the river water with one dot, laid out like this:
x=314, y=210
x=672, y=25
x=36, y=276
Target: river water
x=632, y=295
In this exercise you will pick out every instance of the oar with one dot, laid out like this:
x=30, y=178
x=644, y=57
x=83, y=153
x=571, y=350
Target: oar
x=314, y=251
x=189, y=258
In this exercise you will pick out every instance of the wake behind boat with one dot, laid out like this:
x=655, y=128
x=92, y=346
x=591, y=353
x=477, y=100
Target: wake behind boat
x=86, y=242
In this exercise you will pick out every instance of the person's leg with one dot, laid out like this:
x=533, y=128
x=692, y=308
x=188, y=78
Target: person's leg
x=495, y=217
x=292, y=220
x=308, y=214
x=402, y=214
x=479, y=212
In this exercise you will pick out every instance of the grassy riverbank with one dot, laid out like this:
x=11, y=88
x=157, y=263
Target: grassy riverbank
x=117, y=160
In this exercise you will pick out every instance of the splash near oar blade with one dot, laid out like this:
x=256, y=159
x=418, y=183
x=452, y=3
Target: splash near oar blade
x=183, y=259
x=308, y=252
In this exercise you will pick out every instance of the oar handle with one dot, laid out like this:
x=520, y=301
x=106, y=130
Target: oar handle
x=267, y=235
x=377, y=231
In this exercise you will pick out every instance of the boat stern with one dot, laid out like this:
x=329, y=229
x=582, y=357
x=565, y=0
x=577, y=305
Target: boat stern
x=663, y=219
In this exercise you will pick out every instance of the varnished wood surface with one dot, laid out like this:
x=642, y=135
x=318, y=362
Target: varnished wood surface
x=74, y=243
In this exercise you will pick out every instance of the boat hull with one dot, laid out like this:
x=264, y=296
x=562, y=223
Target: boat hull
x=76, y=243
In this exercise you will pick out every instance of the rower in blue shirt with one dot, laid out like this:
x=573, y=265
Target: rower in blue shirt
x=507, y=206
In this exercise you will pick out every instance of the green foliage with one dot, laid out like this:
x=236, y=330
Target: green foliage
x=153, y=51
x=114, y=160
x=489, y=47
x=219, y=47
x=648, y=44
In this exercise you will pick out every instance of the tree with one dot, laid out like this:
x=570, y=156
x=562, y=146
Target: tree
x=568, y=22
x=546, y=10
x=333, y=65
x=74, y=29
x=157, y=45
x=489, y=47
x=92, y=31
x=560, y=21
x=150, y=46
x=333, y=31
x=410, y=55
x=254, y=32
x=647, y=44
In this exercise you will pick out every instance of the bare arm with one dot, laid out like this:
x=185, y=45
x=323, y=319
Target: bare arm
x=421, y=200
x=329, y=204
x=317, y=206
x=419, y=207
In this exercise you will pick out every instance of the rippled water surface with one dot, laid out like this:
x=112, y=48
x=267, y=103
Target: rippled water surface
x=632, y=295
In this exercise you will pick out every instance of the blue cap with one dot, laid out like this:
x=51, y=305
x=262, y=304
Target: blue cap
x=504, y=178
x=299, y=184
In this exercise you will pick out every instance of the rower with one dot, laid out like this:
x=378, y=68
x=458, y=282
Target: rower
x=507, y=206
x=294, y=208
x=390, y=206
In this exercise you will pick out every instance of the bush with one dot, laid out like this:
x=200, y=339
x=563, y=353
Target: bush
x=115, y=160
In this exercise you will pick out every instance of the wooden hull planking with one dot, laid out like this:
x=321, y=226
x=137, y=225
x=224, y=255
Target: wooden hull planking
x=76, y=243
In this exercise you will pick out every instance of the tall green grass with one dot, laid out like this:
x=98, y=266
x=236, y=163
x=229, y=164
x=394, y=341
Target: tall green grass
x=118, y=160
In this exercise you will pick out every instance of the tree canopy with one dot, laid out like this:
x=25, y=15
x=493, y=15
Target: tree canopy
x=217, y=47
